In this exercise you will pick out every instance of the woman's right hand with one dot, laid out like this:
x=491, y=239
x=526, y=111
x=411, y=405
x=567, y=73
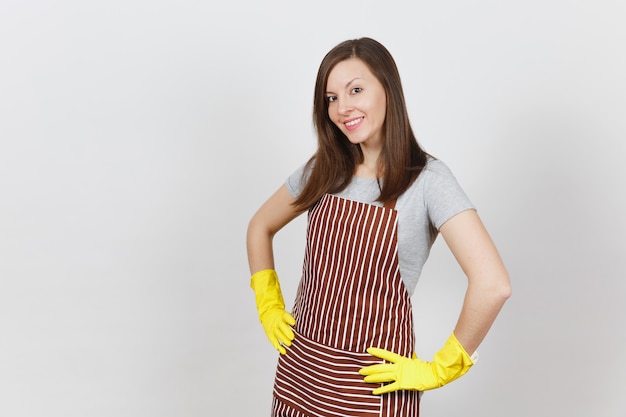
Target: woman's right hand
x=269, y=302
x=277, y=324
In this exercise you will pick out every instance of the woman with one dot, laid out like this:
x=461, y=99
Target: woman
x=376, y=202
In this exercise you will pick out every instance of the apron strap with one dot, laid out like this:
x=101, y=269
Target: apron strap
x=390, y=204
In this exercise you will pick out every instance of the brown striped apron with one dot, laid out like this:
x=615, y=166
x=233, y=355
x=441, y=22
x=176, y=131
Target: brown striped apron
x=351, y=296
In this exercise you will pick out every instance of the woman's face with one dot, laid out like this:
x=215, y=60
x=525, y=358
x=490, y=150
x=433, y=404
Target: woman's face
x=357, y=102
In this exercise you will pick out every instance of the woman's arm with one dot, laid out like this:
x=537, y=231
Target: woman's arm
x=487, y=291
x=273, y=215
x=488, y=281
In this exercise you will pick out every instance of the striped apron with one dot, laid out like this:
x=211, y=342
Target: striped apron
x=350, y=297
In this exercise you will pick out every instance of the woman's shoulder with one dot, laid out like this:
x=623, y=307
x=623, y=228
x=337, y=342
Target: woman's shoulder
x=435, y=175
x=433, y=170
x=298, y=178
x=436, y=166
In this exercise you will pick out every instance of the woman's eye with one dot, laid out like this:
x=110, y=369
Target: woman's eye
x=330, y=99
x=356, y=90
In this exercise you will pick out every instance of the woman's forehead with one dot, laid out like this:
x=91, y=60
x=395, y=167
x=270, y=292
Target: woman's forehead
x=347, y=71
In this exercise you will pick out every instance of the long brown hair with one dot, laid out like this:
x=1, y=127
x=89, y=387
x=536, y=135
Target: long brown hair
x=401, y=159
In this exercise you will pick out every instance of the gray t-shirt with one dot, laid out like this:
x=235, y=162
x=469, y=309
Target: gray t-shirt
x=430, y=201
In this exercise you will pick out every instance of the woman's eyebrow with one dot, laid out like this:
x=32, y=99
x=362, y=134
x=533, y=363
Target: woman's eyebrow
x=347, y=84
x=352, y=80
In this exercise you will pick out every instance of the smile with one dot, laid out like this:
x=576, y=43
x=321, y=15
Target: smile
x=351, y=124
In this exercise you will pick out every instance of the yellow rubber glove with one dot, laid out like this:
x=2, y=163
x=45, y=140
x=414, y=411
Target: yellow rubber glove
x=269, y=302
x=450, y=363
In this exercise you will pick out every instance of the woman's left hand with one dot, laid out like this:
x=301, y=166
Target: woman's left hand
x=403, y=373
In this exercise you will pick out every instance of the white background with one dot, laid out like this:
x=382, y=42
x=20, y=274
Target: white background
x=138, y=138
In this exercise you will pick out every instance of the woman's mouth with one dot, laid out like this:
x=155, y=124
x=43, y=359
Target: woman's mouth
x=353, y=123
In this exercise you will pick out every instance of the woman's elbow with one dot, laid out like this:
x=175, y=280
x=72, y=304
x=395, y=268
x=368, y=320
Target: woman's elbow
x=495, y=289
x=259, y=229
x=256, y=229
x=503, y=289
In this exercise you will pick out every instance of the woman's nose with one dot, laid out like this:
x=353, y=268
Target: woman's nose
x=345, y=106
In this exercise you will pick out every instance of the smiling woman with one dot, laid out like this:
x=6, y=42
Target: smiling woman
x=376, y=203
x=357, y=104
x=370, y=65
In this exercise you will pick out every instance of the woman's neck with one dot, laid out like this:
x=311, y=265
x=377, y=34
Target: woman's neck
x=363, y=171
x=369, y=168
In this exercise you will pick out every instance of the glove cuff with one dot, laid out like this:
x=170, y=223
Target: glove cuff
x=465, y=357
x=267, y=291
x=263, y=278
x=452, y=361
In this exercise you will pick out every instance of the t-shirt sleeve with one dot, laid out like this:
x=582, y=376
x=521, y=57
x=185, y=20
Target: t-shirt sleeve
x=443, y=194
x=296, y=181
